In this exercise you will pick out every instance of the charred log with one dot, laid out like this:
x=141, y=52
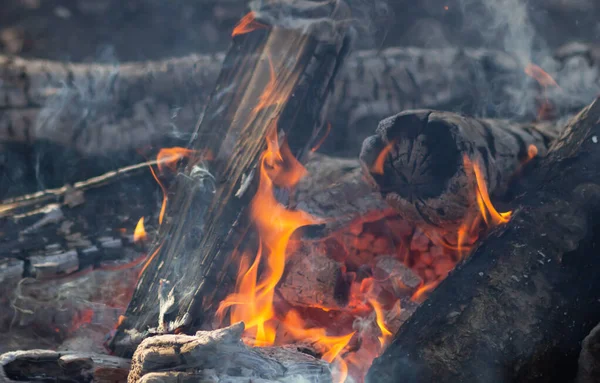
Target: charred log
x=220, y=355
x=35, y=365
x=417, y=161
x=102, y=108
x=206, y=223
x=519, y=307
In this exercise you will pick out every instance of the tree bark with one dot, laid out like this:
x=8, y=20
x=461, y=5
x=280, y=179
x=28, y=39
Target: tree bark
x=519, y=307
x=206, y=226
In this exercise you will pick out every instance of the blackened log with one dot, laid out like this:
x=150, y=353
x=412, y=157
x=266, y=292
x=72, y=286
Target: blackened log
x=206, y=223
x=19, y=366
x=519, y=307
x=104, y=108
x=417, y=161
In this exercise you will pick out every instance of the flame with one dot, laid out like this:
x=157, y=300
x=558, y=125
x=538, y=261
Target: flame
x=532, y=152
x=385, y=333
x=247, y=24
x=168, y=158
x=424, y=289
x=139, y=234
x=377, y=167
x=253, y=301
x=490, y=215
x=541, y=76
x=545, y=81
x=320, y=142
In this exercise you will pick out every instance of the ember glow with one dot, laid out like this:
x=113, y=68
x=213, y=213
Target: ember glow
x=247, y=24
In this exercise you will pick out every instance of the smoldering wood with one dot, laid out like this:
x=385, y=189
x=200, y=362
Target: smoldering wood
x=416, y=160
x=35, y=365
x=311, y=279
x=519, y=306
x=99, y=108
x=206, y=222
x=220, y=354
x=336, y=192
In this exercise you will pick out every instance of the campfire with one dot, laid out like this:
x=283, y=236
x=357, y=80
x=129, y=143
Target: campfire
x=447, y=247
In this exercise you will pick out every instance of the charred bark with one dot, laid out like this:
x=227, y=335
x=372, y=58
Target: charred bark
x=206, y=225
x=103, y=108
x=519, y=307
x=417, y=161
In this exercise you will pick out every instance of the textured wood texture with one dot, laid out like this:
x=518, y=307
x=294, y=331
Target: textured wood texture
x=519, y=307
x=279, y=77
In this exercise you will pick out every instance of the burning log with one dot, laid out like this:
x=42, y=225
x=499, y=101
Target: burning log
x=34, y=365
x=419, y=161
x=519, y=307
x=206, y=227
x=99, y=108
x=220, y=355
x=589, y=359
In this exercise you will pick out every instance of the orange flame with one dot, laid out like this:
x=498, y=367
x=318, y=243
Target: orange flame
x=532, y=152
x=541, y=76
x=169, y=157
x=490, y=215
x=139, y=234
x=320, y=142
x=377, y=167
x=546, y=81
x=385, y=333
x=424, y=289
x=247, y=24
x=253, y=301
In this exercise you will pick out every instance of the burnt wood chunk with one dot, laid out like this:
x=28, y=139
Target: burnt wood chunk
x=37, y=365
x=279, y=77
x=220, y=355
x=417, y=161
x=519, y=307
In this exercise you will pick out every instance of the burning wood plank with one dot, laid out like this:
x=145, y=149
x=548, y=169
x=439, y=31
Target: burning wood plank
x=273, y=78
x=525, y=299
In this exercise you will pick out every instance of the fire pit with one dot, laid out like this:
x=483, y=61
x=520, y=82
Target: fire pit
x=452, y=248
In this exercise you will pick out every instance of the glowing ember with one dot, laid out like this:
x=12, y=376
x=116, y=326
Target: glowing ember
x=139, y=234
x=247, y=24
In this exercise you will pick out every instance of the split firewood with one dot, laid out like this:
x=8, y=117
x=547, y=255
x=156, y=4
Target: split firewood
x=99, y=108
x=220, y=355
x=417, y=160
x=276, y=81
x=35, y=365
x=518, y=308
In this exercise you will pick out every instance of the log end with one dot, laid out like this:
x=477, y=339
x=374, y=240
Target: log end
x=413, y=160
